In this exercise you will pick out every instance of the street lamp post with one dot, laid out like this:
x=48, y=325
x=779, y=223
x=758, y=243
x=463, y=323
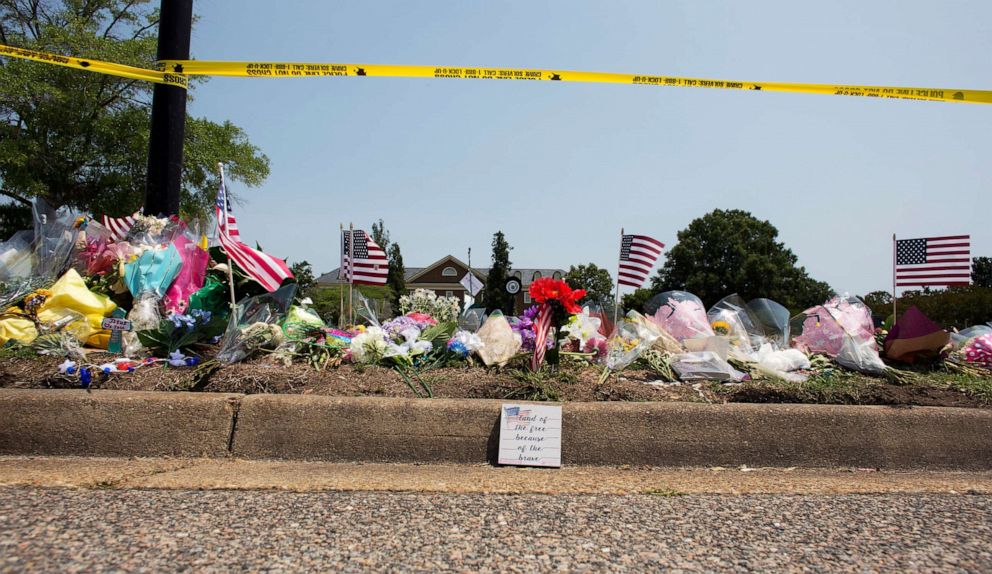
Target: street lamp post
x=165, y=150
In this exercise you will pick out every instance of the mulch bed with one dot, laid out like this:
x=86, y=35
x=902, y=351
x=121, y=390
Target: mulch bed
x=474, y=383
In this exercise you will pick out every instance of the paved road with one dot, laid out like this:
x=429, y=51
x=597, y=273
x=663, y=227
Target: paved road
x=69, y=530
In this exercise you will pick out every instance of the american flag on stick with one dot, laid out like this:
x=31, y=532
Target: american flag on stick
x=637, y=256
x=541, y=329
x=364, y=262
x=933, y=261
x=268, y=270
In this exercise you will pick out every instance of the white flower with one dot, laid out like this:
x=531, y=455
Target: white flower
x=582, y=327
x=369, y=346
x=442, y=309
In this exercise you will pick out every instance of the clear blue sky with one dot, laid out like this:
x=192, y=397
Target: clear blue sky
x=560, y=167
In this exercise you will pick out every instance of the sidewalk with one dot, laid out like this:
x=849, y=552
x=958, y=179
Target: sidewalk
x=228, y=474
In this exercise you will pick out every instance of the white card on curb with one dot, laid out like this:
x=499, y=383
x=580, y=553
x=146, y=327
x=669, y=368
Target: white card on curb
x=530, y=435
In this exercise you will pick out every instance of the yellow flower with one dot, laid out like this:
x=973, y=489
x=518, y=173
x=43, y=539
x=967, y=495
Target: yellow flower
x=721, y=327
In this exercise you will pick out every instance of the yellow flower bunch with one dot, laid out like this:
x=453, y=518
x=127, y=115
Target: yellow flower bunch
x=721, y=327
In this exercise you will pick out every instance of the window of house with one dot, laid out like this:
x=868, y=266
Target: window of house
x=518, y=275
x=537, y=275
x=449, y=293
x=526, y=297
x=557, y=275
x=449, y=272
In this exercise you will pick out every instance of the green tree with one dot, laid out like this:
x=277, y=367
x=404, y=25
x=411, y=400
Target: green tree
x=81, y=139
x=597, y=282
x=635, y=301
x=13, y=218
x=306, y=284
x=396, y=280
x=732, y=251
x=496, y=296
x=981, y=271
x=878, y=301
x=380, y=235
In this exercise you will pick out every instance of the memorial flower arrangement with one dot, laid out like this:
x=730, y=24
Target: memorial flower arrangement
x=180, y=331
x=523, y=326
x=557, y=302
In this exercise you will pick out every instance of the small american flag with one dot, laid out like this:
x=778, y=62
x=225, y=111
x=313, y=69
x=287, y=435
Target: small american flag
x=541, y=329
x=262, y=267
x=223, y=206
x=364, y=262
x=515, y=414
x=118, y=226
x=933, y=261
x=637, y=256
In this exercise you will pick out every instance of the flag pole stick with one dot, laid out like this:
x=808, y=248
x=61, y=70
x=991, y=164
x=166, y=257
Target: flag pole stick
x=894, y=262
x=616, y=295
x=351, y=273
x=341, y=317
x=230, y=260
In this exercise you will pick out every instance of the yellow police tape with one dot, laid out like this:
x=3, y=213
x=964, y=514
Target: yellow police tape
x=119, y=70
x=177, y=72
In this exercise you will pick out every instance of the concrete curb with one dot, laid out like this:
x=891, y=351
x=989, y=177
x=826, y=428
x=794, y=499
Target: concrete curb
x=346, y=429
x=116, y=423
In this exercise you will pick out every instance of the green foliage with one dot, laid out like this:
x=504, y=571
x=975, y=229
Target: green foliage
x=81, y=139
x=731, y=251
x=396, y=280
x=981, y=272
x=541, y=385
x=635, y=301
x=439, y=334
x=327, y=300
x=173, y=335
x=879, y=301
x=496, y=296
x=380, y=235
x=957, y=307
x=13, y=218
x=597, y=282
x=306, y=284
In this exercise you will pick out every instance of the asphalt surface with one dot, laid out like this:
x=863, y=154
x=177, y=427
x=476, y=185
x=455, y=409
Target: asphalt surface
x=85, y=530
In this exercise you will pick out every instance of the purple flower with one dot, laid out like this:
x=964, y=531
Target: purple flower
x=530, y=313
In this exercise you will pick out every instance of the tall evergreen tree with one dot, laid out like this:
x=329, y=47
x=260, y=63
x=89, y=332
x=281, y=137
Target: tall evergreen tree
x=396, y=280
x=499, y=272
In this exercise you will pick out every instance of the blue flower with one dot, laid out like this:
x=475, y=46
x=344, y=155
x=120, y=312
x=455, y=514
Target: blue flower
x=85, y=377
x=180, y=321
x=202, y=316
x=458, y=348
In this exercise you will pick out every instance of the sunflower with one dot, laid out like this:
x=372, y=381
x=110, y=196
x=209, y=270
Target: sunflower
x=721, y=327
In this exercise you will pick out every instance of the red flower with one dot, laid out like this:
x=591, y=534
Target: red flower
x=547, y=289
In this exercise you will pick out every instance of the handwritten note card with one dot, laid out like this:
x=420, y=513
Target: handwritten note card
x=530, y=435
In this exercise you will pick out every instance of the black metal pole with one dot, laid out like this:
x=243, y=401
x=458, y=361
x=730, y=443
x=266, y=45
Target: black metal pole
x=165, y=150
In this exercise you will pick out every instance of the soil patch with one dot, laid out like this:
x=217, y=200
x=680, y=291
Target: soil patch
x=872, y=394
x=254, y=377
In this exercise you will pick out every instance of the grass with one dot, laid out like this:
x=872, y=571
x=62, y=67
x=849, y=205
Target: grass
x=980, y=388
x=542, y=385
x=14, y=350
